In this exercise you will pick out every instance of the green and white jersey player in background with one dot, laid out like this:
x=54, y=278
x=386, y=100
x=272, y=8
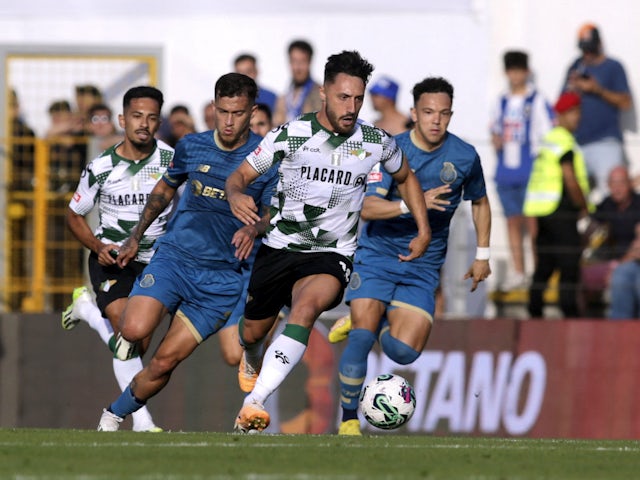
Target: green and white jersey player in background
x=305, y=259
x=118, y=182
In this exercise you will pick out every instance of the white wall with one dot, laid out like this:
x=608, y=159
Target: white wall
x=462, y=40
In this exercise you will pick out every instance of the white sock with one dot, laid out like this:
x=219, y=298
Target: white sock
x=283, y=354
x=124, y=372
x=90, y=313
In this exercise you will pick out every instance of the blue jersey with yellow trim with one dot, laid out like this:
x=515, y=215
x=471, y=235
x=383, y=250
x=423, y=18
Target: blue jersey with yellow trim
x=203, y=225
x=456, y=163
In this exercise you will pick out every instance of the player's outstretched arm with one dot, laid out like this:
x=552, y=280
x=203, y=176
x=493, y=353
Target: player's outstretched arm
x=242, y=206
x=480, y=269
x=159, y=198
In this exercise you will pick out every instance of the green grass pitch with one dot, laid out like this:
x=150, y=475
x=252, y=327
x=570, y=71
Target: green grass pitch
x=29, y=454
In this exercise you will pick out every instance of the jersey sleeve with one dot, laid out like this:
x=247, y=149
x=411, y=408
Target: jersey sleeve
x=266, y=154
x=177, y=172
x=619, y=78
x=474, y=186
x=86, y=193
x=379, y=182
x=391, y=158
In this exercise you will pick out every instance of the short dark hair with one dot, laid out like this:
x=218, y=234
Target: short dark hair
x=88, y=89
x=179, y=109
x=516, y=59
x=243, y=57
x=60, y=106
x=143, y=92
x=301, y=45
x=263, y=107
x=349, y=62
x=432, y=85
x=97, y=107
x=236, y=85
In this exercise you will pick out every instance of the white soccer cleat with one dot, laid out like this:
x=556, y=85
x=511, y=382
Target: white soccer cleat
x=109, y=422
x=124, y=350
x=70, y=317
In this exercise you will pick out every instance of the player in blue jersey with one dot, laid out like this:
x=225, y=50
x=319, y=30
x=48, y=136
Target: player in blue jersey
x=394, y=301
x=196, y=272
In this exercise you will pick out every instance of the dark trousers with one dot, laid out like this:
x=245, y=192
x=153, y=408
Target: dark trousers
x=558, y=247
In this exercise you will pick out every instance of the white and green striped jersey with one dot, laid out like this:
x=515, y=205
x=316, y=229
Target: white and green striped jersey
x=322, y=179
x=121, y=188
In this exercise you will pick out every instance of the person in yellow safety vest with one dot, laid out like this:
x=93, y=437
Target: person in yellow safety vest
x=557, y=196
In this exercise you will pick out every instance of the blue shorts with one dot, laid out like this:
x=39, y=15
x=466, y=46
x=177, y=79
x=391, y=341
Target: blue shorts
x=396, y=284
x=204, y=297
x=511, y=198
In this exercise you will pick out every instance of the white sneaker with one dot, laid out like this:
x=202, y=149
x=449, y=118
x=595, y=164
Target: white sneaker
x=143, y=422
x=109, y=422
x=70, y=317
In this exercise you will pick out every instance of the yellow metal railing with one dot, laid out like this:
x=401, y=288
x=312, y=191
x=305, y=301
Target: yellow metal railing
x=42, y=260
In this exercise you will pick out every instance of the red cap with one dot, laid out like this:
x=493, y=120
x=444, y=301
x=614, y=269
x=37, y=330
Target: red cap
x=567, y=101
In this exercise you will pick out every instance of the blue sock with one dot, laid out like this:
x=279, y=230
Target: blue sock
x=396, y=350
x=126, y=403
x=353, y=370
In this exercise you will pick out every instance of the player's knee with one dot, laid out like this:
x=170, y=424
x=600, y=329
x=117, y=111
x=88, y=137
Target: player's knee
x=132, y=330
x=397, y=350
x=231, y=354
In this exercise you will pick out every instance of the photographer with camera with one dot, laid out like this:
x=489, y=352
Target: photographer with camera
x=602, y=83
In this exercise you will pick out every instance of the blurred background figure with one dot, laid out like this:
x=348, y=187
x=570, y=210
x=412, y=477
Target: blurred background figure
x=247, y=64
x=86, y=97
x=602, y=83
x=611, y=244
x=102, y=130
x=625, y=283
x=67, y=158
x=520, y=119
x=261, y=123
x=384, y=93
x=209, y=116
x=22, y=147
x=178, y=124
x=21, y=151
x=557, y=196
x=303, y=93
x=67, y=147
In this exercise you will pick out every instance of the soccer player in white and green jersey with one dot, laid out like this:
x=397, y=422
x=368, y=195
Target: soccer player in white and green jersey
x=306, y=258
x=119, y=182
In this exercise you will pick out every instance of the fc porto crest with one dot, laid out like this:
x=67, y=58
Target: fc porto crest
x=147, y=281
x=448, y=173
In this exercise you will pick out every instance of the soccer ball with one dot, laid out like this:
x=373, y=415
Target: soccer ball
x=388, y=401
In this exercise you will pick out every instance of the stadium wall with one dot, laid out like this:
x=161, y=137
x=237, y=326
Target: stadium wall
x=502, y=377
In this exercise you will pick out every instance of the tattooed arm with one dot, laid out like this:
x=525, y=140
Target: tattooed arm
x=159, y=198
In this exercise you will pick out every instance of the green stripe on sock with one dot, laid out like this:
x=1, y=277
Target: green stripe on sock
x=243, y=342
x=297, y=332
x=112, y=347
